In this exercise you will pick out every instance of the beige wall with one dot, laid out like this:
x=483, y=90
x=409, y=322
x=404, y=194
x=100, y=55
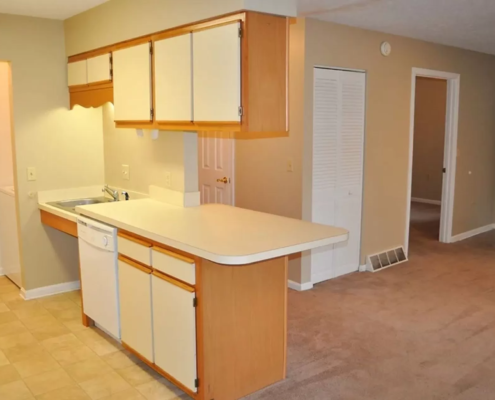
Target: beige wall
x=429, y=138
x=388, y=122
x=65, y=146
x=6, y=163
x=262, y=180
x=148, y=159
x=119, y=20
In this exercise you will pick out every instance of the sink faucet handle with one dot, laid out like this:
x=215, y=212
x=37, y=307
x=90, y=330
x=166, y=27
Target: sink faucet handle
x=125, y=194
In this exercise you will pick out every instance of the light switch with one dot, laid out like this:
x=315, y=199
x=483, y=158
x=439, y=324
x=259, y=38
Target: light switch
x=290, y=165
x=168, y=179
x=31, y=174
x=126, y=173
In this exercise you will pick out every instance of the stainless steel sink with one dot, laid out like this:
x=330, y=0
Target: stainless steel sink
x=70, y=205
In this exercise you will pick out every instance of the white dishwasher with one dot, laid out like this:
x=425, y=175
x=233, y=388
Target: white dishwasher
x=99, y=273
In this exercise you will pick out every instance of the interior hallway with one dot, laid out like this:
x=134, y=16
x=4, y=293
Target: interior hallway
x=420, y=330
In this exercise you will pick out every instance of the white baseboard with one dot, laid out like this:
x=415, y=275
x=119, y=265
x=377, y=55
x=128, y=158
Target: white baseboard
x=300, y=287
x=474, y=232
x=334, y=273
x=2, y=272
x=363, y=268
x=426, y=201
x=50, y=290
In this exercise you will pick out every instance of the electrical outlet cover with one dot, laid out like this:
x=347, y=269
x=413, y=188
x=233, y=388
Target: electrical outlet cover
x=31, y=174
x=126, y=172
x=168, y=179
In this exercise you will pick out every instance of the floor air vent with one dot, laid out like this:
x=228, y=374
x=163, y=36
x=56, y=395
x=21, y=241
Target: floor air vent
x=379, y=262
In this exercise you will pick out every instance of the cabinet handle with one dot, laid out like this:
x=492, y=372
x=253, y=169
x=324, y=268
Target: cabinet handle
x=135, y=264
x=133, y=239
x=173, y=255
x=173, y=281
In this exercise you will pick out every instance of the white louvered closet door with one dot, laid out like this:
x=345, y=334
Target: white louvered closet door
x=338, y=154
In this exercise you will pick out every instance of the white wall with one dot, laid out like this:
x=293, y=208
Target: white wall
x=6, y=165
x=149, y=160
x=65, y=146
x=119, y=20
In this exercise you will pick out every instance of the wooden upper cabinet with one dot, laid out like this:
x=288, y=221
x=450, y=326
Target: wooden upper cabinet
x=173, y=79
x=99, y=69
x=132, y=84
x=217, y=74
x=90, y=80
x=77, y=73
x=265, y=90
x=225, y=74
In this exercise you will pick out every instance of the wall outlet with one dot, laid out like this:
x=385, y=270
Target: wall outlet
x=168, y=179
x=31, y=174
x=126, y=173
x=290, y=165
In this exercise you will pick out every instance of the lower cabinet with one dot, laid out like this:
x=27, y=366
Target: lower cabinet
x=174, y=329
x=136, y=307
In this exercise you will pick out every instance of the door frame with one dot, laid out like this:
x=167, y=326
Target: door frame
x=450, y=150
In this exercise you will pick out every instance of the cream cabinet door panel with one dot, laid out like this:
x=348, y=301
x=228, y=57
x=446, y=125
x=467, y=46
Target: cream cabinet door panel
x=135, y=309
x=99, y=69
x=132, y=83
x=174, y=325
x=173, y=79
x=77, y=73
x=217, y=74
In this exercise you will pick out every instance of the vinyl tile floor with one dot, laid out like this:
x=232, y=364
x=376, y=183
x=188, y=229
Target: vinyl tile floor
x=47, y=354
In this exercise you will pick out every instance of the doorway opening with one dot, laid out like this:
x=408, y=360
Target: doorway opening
x=216, y=163
x=10, y=263
x=432, y=158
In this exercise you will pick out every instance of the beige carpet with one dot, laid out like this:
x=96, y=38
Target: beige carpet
x=422, y=330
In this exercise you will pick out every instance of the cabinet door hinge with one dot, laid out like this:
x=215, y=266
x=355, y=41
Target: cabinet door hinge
x=151, y=48
x=241, y=111
x=444, y=170
x=196, y=383
x=152, y=114
x=240, y=32
x=195, y=302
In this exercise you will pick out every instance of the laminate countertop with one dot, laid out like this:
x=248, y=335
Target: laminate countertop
x=219, y=233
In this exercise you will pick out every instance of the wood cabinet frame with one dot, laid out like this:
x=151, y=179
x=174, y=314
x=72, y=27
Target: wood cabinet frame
x=59, y=223
x=264, y=70
x=215, y=315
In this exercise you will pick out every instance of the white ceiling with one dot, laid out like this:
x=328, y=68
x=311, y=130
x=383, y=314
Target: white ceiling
x=53, y=9
x=469, y=24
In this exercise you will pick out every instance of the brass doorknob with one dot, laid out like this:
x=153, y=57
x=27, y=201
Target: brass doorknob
x=223, y=180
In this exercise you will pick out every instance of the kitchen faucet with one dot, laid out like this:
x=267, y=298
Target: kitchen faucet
x=113, y=193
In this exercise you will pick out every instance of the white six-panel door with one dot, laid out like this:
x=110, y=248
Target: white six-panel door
x=217, y=74
x=338, y=156
x=173, y=79
x=132, y=83
x=215, y=166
